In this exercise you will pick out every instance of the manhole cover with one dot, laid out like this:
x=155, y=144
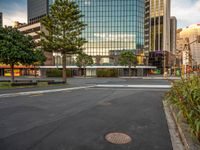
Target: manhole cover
x=118, y=138
x=105, y=103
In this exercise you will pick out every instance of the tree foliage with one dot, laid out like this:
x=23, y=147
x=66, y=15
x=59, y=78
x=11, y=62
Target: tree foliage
x=40, y=58
x=15, y=48
x=63, y=29
x=83, y=60
x=185, y=96
x=127, y=58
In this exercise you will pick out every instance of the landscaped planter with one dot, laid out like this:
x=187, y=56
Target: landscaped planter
x=184, y=101
x=189, y=141
x=23, y=83
x=56, y=82
x=5, y=81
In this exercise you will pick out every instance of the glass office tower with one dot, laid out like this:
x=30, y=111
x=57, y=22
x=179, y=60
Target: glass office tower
x=112, y=26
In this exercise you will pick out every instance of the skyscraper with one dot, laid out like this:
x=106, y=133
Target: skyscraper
x=112, y=26
x=157, y=25
x=1, y=19
x=37, y=9
x=173, y=29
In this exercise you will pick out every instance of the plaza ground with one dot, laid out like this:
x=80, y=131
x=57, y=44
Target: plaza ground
x=80, y=119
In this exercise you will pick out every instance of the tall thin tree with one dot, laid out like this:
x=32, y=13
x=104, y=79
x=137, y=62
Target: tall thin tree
x=62, y=30
x=127, y=58
x=83, y=60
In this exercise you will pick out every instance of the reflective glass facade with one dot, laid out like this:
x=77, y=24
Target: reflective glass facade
x=112, y=26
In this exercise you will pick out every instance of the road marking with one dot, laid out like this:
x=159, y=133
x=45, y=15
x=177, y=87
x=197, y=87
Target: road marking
x=35, y=95
x=42, y=92
x=134, y=86
x=67, y=91
x=131, y=89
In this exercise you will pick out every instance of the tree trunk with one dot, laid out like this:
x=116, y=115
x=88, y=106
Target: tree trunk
x=129, y=71
x=35, y=71
x=64, y=75
x=12, y=73
x=84, y=71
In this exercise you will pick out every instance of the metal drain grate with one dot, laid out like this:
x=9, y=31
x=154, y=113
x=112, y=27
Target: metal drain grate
x=105, y=103
x=118, y=138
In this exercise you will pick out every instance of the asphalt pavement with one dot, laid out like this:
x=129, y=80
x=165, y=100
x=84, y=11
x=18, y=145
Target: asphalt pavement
x=80, y=119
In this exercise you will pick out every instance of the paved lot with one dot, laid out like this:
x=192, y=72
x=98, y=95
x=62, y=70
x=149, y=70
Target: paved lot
x=79, y=120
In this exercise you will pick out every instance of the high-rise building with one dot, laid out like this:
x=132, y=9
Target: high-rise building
x=157, y=25
x=33, y=30
x=157, y=33
x=173, y=29
x=112, y=26
x=37, y=9
x=1, y=19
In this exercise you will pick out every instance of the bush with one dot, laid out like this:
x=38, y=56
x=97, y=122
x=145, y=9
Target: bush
x=57, y=73
x=185, y=96
x=107, y=73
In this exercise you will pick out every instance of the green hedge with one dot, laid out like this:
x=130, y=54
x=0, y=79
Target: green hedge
x=185, y=96
x=107, y=73
x=57, y=73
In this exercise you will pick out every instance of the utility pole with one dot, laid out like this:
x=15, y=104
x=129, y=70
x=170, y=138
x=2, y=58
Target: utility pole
x=164, y=65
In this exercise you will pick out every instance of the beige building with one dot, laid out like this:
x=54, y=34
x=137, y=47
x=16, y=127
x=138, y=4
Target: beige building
x=189, y=35
x=18, y=24
x=33, y=30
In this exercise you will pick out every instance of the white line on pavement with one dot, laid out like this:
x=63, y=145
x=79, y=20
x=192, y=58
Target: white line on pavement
x=42, y=92
x=132, y=89
x=135, y=86
x=84, y=87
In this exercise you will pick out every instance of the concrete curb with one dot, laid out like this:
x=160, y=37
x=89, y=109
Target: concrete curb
x=177, y=143
x=187, y=141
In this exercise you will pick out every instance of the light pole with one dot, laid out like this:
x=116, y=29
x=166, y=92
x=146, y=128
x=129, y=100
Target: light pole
x=164, y=65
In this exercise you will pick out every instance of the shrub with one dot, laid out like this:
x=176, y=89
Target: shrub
x=57, y=73
x=107, y=73
x=185, y=96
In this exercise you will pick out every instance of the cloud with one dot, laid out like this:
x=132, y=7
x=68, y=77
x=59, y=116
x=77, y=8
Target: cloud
x=187, y=12
x=13, y=11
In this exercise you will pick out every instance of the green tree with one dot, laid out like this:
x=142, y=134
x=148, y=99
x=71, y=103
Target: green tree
x=39, y=57
x=127, y=58
x=83, y=60
x=63, y=29
x=15, y=48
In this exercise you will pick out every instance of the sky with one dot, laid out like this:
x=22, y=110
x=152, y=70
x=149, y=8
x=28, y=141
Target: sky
x=187, y=12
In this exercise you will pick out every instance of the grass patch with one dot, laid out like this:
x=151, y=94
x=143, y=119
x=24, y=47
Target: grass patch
x=7, y=85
